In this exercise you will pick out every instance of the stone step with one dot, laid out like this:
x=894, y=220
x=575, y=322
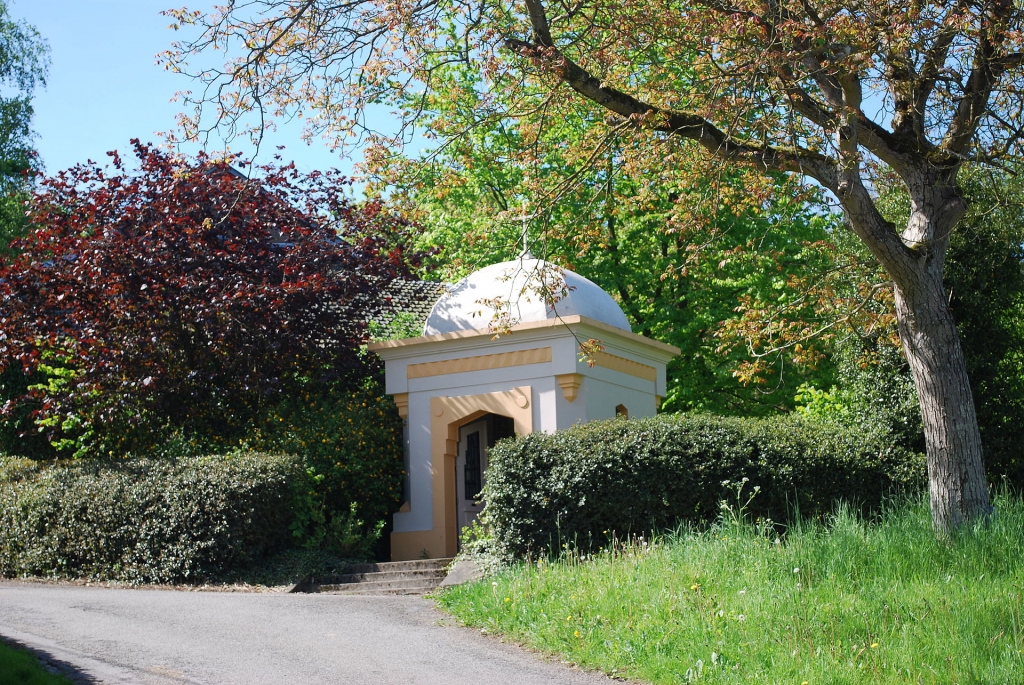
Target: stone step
x=426, y=575
x=374, y=585
x=357, y=589
x=415, y=577
x=413, y=565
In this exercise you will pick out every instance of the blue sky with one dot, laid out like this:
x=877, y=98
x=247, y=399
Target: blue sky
x=105, y=87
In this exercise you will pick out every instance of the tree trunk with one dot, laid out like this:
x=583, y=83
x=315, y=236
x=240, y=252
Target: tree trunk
x=956, y=473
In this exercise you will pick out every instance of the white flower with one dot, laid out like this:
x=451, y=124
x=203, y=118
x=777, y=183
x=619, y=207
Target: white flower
x=796, y=570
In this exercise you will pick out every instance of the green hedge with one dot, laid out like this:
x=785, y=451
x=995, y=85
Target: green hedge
x=625, y=477
x=145, y=521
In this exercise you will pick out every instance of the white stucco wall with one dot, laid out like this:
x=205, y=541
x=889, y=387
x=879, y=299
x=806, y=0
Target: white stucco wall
x=601, y=389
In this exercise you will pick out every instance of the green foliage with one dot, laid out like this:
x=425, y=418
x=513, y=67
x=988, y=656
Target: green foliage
x=348, y=439
x=820, y=405
x=19, y=667
x=399, y=325
x=19, y=433
x=146, y=521
x=582, y=486
x=840, y=601
x=13, y=222
x=24, y=63
x=57, y=373
x=874, y=395
x=477, y=542
x=350, y=442
x=985, y=281
x=342, y=483
x=678, y=244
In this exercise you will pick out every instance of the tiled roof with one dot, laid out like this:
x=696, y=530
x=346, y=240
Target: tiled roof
x=398, y=309
x=409, y=301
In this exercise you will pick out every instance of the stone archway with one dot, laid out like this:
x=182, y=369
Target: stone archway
x=447, y=415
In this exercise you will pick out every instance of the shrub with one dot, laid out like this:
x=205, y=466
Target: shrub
x=350, y=443
x=581, y=486
x=190, y=519
x=180, y=293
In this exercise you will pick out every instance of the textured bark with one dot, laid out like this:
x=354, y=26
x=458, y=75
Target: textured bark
x=915, y=259
x=956, y=473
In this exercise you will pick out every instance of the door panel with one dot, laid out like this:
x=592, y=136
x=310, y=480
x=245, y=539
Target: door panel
x=470, y=470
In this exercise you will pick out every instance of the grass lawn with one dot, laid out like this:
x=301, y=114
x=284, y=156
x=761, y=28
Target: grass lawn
x=18, y=667
x=841, y=601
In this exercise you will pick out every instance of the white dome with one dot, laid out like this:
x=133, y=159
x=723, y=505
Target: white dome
x=516, y=287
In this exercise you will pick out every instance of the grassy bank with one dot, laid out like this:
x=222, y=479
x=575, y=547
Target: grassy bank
x=842, y=601
x=18, y=667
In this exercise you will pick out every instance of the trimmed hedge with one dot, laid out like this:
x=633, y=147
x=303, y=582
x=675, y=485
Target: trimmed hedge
x=625, y=477
x=145, y=521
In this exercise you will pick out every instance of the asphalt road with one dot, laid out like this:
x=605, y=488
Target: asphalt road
x=104, y=635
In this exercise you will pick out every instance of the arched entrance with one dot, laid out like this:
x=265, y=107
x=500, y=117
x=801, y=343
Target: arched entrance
x=447, y=416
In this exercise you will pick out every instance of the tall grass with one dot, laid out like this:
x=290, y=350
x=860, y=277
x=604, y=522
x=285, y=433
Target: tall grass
x=835, y=601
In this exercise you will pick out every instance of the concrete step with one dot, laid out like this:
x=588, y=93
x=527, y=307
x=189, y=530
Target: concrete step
x=356, y=589
x=372, y=585
x=414, y=565
x=415, y=577
x=426, y=575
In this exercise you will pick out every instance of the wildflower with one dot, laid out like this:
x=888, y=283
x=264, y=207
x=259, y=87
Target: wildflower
x=742, y=592
x=741, y=618
x=873, y=645
x=576, y=633
x=796, y=570
x=694, y=586
x=508, y=599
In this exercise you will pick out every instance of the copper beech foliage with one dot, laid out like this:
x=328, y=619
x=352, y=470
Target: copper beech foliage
x=179, y=292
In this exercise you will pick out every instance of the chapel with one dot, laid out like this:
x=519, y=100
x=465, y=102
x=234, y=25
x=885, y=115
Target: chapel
x=500, y=355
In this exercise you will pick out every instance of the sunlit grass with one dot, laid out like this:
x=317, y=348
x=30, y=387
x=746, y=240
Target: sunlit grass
x=841, y=601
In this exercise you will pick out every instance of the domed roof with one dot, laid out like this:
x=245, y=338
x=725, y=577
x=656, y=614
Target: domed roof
x=515, y=288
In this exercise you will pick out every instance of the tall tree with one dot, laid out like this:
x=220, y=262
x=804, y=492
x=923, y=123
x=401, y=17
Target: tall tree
x=813, y=88
x=24, y=63
x=985, y=286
